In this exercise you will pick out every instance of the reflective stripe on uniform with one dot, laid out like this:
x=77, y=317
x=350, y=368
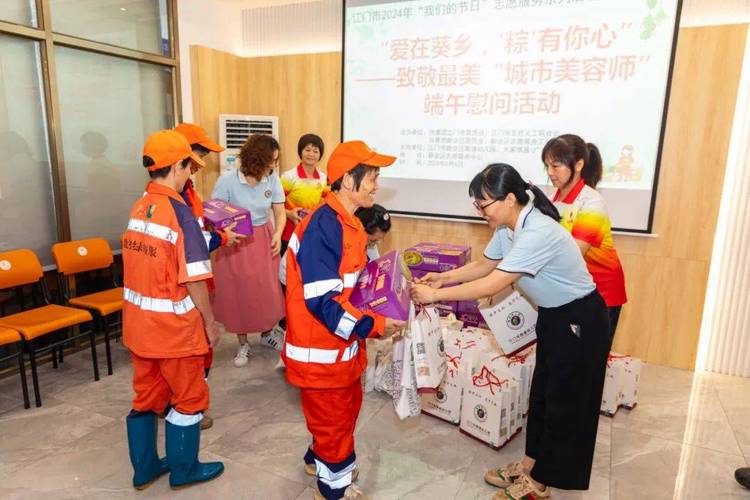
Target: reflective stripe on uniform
x=207, y=237
x=346, y=325
x=322, y=287
x=198, y=268
x=350, y=352
x=158, y=305
x=293, y=244
x=335, y=480
x=322, y=356
x=350, y=279
x=153, y=230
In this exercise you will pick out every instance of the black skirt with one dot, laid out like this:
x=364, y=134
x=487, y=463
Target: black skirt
x=573, y=342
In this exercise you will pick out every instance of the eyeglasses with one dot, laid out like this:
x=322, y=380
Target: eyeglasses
x=481, y=208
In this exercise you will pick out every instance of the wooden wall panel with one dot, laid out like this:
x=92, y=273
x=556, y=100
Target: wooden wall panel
x=666, y=276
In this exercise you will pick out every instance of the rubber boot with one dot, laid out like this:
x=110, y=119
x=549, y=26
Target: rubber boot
x=147, y=465
x=182, y=455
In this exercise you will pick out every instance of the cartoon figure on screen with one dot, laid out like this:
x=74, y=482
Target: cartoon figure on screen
x=623, y=170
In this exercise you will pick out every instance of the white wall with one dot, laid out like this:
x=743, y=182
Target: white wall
x=211, y=23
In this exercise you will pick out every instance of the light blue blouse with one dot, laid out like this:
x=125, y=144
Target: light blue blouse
x=234, y=188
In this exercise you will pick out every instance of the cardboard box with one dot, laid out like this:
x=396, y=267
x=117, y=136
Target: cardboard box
x=222, y=214
x=620, y=383
x=437, y=257
x=383, y=287
x=512, y=320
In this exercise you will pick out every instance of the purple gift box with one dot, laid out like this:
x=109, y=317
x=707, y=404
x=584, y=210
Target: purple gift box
x=472, y=319
x=437, y=257
x=383, y=287
x=222, y=214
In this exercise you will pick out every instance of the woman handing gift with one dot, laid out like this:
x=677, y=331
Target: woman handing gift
x=531, y=248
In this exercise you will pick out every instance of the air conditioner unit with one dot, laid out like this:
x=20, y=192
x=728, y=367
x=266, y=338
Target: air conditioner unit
x=233, y=132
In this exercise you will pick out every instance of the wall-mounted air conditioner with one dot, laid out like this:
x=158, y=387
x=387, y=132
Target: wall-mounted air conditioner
x=233, y=132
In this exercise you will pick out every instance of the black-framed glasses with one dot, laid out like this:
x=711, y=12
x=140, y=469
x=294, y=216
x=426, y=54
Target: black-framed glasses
x=481, y=208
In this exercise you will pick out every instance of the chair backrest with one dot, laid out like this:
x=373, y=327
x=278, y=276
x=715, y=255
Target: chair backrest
x=82, y=255
x=19, y=267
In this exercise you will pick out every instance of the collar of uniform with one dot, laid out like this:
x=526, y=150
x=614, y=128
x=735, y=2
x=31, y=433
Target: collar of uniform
x=243, y=179
x=302, y=174
x=571, y=197
x=523, y=215
x=155, y=188
x=333, y=201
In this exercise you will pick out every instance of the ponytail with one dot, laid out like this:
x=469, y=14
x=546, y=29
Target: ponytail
x=592, y=166
x=542, y=203
x=569, y=149
x=498, y=180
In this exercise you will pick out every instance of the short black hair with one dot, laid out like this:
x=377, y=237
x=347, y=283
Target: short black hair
x=199, y=150
x=374, y=218
x=358, y=173
x=164, y=171
x=307, y=140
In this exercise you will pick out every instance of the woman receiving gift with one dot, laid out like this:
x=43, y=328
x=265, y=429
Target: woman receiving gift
x=530, y=248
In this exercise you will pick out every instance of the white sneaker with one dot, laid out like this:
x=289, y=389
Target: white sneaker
x=242, y=356
x=273, y=339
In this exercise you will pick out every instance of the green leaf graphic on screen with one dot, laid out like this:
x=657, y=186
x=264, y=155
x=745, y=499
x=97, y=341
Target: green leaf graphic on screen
x=653, y=19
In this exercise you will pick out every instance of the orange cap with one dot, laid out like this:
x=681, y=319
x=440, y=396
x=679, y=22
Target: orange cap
x=195, y=134
x=167, y=147
x=348, y=155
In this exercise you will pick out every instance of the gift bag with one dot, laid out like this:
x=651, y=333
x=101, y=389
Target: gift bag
x=384, y=373
x=428, y=348
x=512, y=320
x=377, y=350
x=445, y=403
x=405, y=397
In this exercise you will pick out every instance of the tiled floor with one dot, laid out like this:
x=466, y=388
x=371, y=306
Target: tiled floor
x=684, y=440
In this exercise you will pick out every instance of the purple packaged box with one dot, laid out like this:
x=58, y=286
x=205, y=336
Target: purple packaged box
x=472, y=319
x=437, y=257
x=221, y=214
x=383, y=287
x=467, y=306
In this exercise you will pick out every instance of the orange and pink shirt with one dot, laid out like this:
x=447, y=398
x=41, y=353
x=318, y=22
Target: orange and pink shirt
x=584, y=214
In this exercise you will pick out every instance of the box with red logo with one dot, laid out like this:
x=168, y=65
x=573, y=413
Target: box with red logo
x=489, y=405
x=620, y=383
x=222, y=214
x=512, y=320
x=383, y=287
x=437, y=257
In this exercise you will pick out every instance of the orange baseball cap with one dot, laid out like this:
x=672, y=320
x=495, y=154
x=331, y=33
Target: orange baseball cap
x=167, y=147
x=195, y=134
x=348, y=155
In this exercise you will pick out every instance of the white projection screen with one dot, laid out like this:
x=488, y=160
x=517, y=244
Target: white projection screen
x=450, y=86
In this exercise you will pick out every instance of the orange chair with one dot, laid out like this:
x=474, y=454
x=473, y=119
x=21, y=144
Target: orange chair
x=8, y=337
x=22, y=267
x=85, y=256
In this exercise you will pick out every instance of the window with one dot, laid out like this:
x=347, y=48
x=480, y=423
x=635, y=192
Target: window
x=108, y=106
x=26, y=201
x=134, y=24
x=19, y=12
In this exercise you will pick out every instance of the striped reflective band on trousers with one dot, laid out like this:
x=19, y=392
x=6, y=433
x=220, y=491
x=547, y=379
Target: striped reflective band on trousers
x=322, y=356
x=158, y=305
x=154, y=230
x=335, y=480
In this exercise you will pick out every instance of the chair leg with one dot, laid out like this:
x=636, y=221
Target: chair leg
x=94, y=357
x=35, y=377
x=107, y=347
x=61, y=352
x=24, y=385
x=54, y=357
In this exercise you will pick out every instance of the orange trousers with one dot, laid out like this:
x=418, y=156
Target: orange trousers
x=177, y=381
x=331, y=416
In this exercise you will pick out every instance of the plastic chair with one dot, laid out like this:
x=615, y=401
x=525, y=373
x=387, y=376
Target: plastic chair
x=85, y=256
x=22, y=267
x=8, y=337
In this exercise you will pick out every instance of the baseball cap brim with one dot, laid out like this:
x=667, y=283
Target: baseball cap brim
x=380, y=161
x=212, y=146
x=197, y=159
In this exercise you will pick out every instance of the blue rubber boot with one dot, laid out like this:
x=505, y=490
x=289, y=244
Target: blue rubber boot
x=147, y=465
x=182, y=455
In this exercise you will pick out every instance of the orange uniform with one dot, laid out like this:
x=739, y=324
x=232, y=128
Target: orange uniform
x=163, y=248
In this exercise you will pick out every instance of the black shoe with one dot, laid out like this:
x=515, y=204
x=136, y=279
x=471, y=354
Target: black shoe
x=743, y=476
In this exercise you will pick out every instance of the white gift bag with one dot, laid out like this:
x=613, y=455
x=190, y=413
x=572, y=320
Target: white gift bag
x=428, y=348
x=512, y=320
x=406, y=397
